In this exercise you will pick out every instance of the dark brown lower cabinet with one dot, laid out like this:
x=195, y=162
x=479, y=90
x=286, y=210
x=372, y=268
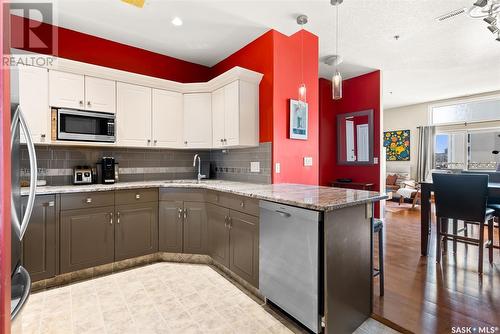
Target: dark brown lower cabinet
x=218, y=233
x=183, y=227
x=87, y=238
x=136, y=230
x=170, y=226
x=233, y=241
x=39, y=242
x=195, y=229
x=244, y=246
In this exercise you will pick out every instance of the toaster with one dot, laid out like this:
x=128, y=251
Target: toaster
x=82, y=175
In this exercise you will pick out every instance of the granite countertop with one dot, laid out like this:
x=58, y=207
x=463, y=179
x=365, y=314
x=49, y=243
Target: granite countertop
x=301, y=195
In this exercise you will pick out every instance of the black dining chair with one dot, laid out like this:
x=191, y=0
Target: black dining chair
x=463, y=197
x=494, y=203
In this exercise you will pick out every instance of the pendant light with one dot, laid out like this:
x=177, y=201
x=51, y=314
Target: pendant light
x=301, y=20
x=337, y=77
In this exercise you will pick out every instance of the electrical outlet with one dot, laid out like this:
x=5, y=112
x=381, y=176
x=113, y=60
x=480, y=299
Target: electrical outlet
x=308, y=161
x=375, y=161
x=277, y=168
x=255, y=167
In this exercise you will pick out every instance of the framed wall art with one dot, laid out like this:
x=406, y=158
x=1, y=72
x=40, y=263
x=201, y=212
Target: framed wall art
x=397, y=145
x=298, y=120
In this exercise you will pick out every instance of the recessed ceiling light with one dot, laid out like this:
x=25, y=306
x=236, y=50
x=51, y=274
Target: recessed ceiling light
x=176, y=21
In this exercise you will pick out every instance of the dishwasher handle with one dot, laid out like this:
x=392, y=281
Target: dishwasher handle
x=283, y=213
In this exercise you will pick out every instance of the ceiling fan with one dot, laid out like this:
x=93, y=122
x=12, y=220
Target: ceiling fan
x=487, y=10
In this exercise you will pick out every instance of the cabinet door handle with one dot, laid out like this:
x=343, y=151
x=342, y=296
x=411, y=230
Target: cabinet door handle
x=149, y=141
x=80, y=102
x=180, y=213
x=52, y=203
x=221, y=140
x=156, y=141
x=185, y=213
x=88, y=103
x=118, y=217
x=242, y=204
x=185, y=142
x=229, y=222
x=111, y=218
x=88, y=200
x=137, y=196
x=43, y=136
x=225, y=222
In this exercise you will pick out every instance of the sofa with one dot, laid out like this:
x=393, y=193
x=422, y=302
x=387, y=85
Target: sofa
x=403, y=188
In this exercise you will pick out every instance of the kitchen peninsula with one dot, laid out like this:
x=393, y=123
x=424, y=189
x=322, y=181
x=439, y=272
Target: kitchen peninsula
x=214, y=222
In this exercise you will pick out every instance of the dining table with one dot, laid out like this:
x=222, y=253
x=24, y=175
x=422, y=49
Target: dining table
x=426, y=189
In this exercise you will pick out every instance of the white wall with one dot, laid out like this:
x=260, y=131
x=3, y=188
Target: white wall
x=409, y=118
x=406, y=118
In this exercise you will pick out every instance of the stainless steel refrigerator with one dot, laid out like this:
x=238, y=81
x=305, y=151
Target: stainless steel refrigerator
x=21, y=281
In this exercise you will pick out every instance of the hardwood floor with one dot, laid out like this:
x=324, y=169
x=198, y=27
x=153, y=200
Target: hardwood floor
x=425, y=297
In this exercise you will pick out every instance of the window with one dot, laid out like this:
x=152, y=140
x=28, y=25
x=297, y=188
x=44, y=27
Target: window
x=482, y=144
x=467, y=149
x=487, y=109
x=450, y=150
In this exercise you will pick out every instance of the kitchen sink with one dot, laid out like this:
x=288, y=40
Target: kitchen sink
x=187, y=181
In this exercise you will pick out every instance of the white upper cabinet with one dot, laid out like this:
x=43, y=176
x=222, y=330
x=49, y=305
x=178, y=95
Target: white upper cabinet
x=198, y=120
x=235, y=112
x=167, y=117
x=150, y=112
x=34, y=102
x=76, y=91
x=100, y=94
x=66, y=90
x=232, y=114
x=133, y=116
x=218, y=114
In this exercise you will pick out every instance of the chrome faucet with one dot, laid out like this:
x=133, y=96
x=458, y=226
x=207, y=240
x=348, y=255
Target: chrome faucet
x=200, y=176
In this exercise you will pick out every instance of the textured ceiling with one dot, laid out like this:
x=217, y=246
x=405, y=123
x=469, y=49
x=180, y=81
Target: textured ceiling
x=431, y=60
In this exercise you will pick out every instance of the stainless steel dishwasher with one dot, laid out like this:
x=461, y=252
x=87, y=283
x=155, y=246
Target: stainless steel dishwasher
x=289, y=274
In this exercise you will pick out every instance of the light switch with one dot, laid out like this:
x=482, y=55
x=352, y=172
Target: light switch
x=308, y=161
x=277, y=168
x=255, y=167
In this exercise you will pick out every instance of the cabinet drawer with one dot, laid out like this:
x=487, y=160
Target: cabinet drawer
x=136, y=196
x=87, y=200
x=238, y=203
x=182, y=194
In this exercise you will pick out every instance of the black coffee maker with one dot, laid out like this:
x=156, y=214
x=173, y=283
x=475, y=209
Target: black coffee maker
x=108, y=170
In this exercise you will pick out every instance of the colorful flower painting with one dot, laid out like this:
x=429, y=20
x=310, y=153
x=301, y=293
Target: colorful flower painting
x=397, y=145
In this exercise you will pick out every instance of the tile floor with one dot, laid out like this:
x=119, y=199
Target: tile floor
x=158, y=298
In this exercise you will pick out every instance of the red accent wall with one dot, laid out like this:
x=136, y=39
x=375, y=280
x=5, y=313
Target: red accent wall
x=5, y=179
x=90, y=49
x=288, y=76
x=278, y=57
x=359, y=94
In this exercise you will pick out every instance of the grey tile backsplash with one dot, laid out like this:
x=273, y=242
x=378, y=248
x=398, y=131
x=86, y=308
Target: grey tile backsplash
x=55, y=163
x=234, y=164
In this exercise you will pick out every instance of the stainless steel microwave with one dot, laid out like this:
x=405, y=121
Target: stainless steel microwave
x=82, y=125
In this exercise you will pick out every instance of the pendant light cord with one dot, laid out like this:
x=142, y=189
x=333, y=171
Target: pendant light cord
x=337, y=37
x=302, y=54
